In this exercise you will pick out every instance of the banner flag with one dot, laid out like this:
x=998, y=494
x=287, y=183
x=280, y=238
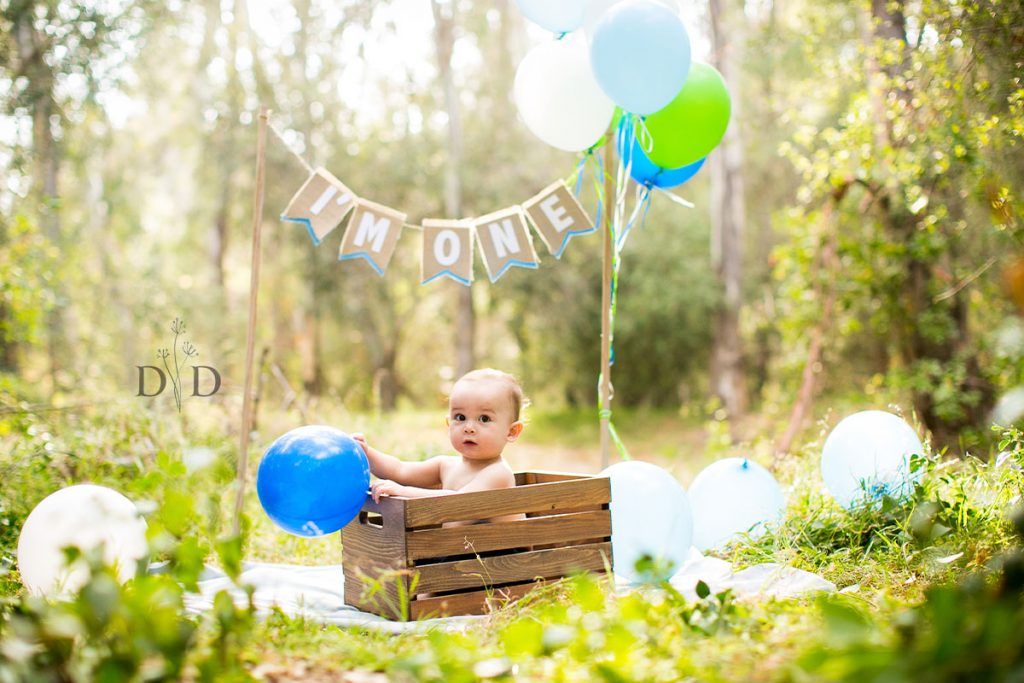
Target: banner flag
x=505, y=241
x=447, y=250
x=558, y=216
x=320, y=204
x=372, y=234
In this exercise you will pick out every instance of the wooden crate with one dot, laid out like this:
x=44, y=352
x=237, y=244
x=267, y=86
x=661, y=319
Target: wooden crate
x=461, y=569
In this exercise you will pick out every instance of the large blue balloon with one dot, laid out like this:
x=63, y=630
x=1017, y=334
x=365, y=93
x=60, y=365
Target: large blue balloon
x=645, y=172
x=640, y=54
x=313, y=480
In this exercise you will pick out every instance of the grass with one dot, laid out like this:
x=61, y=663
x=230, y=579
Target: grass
x=900, y=566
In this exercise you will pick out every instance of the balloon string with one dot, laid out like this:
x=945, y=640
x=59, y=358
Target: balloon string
x=598, y=186
x=643, y=203
x=581, y=171
x=674, y=197
x=616, y=439
x=645, y=137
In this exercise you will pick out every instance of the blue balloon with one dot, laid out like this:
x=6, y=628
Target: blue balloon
x=313, y=480
x=867, y=456
x=560, y=16
x=731, y=497
x=645, y=172
x=640, y=54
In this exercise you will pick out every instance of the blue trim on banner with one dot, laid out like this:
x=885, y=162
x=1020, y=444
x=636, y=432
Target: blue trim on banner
x=449, y=273
x=309, y=227
x=362, y=255
x=514, y=262
x=572, y=233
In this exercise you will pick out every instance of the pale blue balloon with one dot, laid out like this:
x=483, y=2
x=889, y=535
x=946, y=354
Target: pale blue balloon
x=731, y=497
x=557, y=16
x=650, y=516
x=640, y=54
x=867, y=456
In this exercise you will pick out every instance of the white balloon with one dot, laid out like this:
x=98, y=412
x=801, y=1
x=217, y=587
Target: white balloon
x=595, y=8
x=867, y=455
x=558, y=98
x=85, y=516
x=650, y=516
x=559, y=16
x=1009, y=409
x=731, y=497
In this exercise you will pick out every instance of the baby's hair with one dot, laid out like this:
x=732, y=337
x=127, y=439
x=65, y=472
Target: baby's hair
x=519, y=401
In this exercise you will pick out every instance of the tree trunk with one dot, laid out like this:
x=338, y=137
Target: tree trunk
x=31, y=55
x=888, y=22
x=444, y=38
x=728, y=219
x=312, y=369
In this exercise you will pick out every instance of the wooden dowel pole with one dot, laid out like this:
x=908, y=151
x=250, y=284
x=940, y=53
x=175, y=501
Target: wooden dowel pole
x=606, y=303
x=250, y=339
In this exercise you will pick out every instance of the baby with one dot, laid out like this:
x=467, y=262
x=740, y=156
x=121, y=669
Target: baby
x=483, y=417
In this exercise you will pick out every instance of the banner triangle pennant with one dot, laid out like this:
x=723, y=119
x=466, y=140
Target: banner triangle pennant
x=320, y=204
x=557, y=216
x=505, y=241
x=372, y=234
x=447, y=251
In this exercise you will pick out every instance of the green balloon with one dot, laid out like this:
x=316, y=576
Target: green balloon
x=693, y=123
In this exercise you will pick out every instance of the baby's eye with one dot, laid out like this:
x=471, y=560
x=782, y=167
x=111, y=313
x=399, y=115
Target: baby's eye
x=459, y=417
x=485, y=418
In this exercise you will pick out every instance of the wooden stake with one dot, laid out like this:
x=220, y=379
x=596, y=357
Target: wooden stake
x=250, y=339
x=606, y=303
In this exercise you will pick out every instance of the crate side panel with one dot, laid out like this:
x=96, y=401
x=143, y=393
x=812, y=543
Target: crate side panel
x=378, y=593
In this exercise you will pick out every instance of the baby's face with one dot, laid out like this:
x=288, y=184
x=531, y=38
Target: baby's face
x=480, y=418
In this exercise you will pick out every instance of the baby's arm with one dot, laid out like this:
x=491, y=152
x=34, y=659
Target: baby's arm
x=496, y=476
x=384, y=466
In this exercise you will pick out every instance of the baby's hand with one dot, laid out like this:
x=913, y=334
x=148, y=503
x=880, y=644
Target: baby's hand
x=360, y=439
x=385, y=487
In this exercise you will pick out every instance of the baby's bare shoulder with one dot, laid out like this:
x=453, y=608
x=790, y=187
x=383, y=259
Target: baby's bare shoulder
x=501, y=472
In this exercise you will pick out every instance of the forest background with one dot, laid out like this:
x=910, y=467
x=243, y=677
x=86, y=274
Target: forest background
x=854, y=237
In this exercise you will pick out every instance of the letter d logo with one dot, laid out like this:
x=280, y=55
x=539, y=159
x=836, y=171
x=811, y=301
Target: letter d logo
x=142, y=380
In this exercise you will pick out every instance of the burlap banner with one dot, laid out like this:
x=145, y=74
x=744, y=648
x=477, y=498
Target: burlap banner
x=504, y=236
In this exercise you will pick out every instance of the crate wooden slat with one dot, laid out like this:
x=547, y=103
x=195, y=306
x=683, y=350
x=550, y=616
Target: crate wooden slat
x=547, y=497
x=474, y=573
x=465, y=569
x=483, y=538
x=472, y=602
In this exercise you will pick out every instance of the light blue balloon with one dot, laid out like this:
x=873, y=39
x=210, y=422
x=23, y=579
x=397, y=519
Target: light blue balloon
x=557, y=16
x=313, y=480
x=731, y=497
x=650, y=517
x=640, y=54
x=867, y=456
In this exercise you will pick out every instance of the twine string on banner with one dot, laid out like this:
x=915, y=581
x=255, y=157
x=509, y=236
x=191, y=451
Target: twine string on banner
x=287, y=145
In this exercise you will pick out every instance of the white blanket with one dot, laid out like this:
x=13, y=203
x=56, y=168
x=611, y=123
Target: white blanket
x=318, y=592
